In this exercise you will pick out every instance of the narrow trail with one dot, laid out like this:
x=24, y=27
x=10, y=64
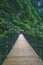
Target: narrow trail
x=22, y=54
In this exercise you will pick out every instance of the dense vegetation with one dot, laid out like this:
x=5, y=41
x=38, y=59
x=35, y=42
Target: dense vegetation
x=17, y=15
x=38, y=4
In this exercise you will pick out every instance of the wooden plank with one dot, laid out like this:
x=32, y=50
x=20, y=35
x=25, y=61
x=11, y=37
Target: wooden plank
x=22, y=54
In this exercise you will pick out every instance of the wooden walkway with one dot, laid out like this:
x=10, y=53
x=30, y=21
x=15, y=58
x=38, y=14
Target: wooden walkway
x=22, y=54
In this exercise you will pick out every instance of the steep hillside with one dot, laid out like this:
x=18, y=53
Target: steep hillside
x=17, y=14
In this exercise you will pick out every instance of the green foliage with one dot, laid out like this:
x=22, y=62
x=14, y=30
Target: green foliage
x=20, y=14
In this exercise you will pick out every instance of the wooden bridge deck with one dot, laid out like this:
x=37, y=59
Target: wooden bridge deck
x=22, y=54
